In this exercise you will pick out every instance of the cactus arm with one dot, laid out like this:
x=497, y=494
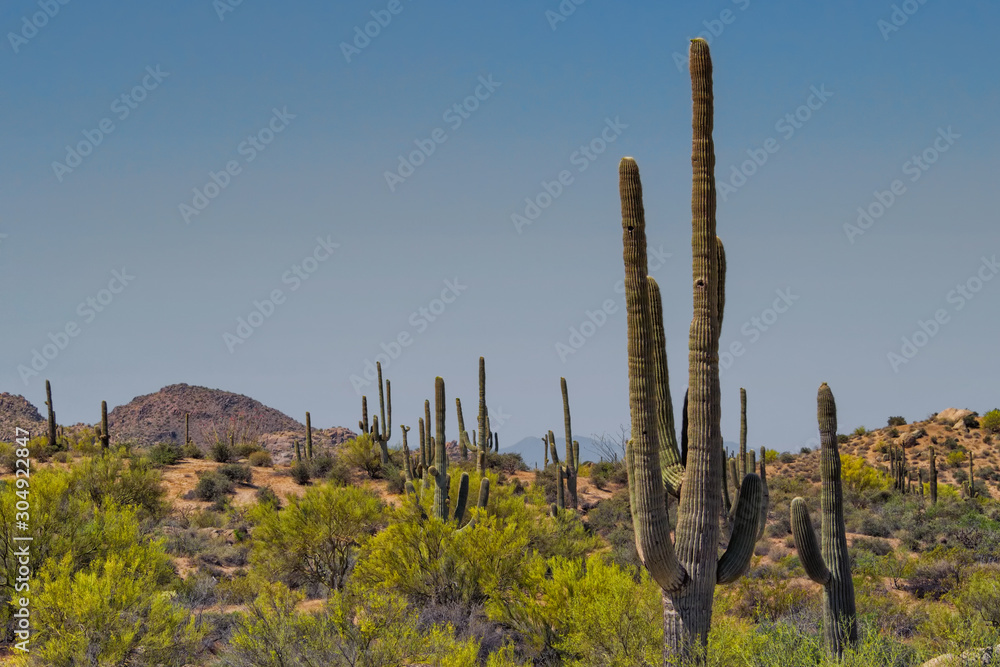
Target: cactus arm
x=560, y=492
x=429, y=452
x=751, y=461
x=734, y=475
x=363, y=424
x=652, y=527
x=727, y=501
x=670, y=457
x=463, y=437
x=53, y=440
x=684, y=431
x=805, y=543
x=736, y=559
x=552, y=446
x=105, y=434
x=407, y=463
x=765, y=503
x=463, y=498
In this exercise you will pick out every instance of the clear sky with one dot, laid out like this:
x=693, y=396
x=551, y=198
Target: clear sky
x=213, y=153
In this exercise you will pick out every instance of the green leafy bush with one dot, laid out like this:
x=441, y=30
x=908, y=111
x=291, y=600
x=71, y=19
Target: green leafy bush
x=221, y=452
x=192, y=451
x=897, y=421
x=316, y=537
x=300, y=473
x=212, y=486
x=261, y=459
x=991, y=421
x=164, y=454
x=237, y=472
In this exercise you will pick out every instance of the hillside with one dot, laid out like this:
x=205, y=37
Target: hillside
x=17, y=411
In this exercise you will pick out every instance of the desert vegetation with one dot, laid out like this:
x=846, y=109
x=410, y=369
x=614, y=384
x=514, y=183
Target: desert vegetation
x=441, y=550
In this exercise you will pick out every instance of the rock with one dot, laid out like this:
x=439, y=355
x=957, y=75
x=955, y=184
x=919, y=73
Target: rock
x=978, y=656
x=952, y=415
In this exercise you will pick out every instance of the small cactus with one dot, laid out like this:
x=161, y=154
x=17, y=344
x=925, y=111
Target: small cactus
x=105, y=435
x=187, y=428
x=309, y=437
x=830, y=568
x=933, y=476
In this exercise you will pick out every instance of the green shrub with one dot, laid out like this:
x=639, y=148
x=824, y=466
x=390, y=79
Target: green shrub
x=787, y=457
x=266, y=495
x=246, y=449
x=861, y=430
x=971, y=421
x=261, y=459
x=221, y=452
x=955, y=458
x=237, y=472
x=360, y=452
x=320, y=466
x=212, y=486
x=897, y=421
x=192, y=451
x=316, y=537
x=507, y=463
x=164, y=454
x=138, y=483
x=300, y=473
x=843, y=438
x=990, y=422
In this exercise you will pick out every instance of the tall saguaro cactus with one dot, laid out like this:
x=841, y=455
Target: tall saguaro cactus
x=187, y=428
x=933, y=476
x=689, y=568
x=439, y=471
x=743, y=430
x=572, y=451
x=53, y=438
x=830, y=568
x=105, y=436
x=309, y=437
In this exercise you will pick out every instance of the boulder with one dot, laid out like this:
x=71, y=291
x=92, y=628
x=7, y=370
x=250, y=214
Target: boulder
x=952, y=415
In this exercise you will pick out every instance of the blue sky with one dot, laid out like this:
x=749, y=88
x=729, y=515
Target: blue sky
x=278, y=138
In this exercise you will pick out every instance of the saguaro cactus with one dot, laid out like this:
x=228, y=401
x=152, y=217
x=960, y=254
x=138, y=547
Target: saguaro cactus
x=309, y=437
x=933, y=475
x=105, y=435
x=972, y=478
x=743, y=430
x=688, y=569
x=439, y=471
x=187, y=428
x=572, y=453
x=830, y=568
x=481, y=447
x=53, y=438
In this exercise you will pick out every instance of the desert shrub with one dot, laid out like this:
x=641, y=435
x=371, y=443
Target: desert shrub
x=237, y=472
x=109, y=612
x=271, y=633
x=316, y=537
x=990, y=422
x=261, y=459
x=212, y=486
x=980, y=595
x=137, y=483
x=300, y=473
x=221, y=452
x=265, y=495
x=360, y=452
x=320, y=466
x=786, y=457
x=164, y=454
x=896, y=421
x=612, y=520
x=861, y=430
x=243, y=450
x=951, y=443
x=508, y=463
x=843, y=438
x=339, y=473
x=769, y=598
x=858, y=476
x=601, y=472
x=396, y=481
x=61, y=456
x=955, y=458
x=971, y=421
x=894, y=432
x=192, y=451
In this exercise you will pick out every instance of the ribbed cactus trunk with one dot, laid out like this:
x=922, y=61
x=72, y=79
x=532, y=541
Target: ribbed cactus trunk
x=105, y=435
x=832, y=567
x=428, y=452
x=972, y=478
x=53, y=437
x=933, y=477
x=309, y=437
x=743, y=430
x=571, y=463
x=187, y=428
x=482, y=419
x=440, y=469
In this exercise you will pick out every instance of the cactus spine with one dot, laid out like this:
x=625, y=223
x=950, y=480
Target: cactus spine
x=105, y=435
x=688, y=569
x=53, y=438
x=832, y=567
x=933, y=477
x=309, y=437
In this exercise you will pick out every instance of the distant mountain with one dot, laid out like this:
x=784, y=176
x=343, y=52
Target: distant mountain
x=17, y=411
x=159, y=417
